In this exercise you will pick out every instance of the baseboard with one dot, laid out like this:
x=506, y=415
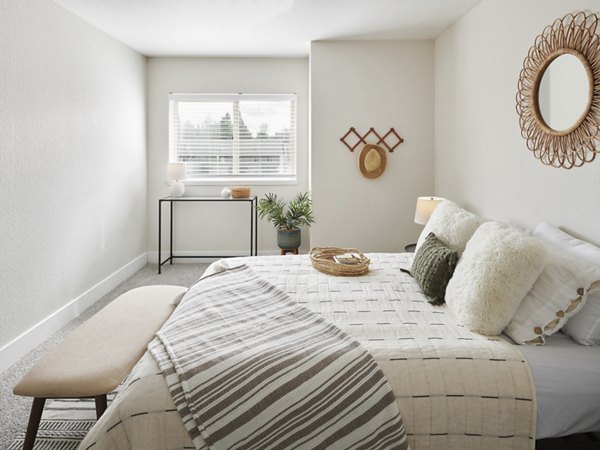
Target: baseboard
x=34, y=336
x=153, y=256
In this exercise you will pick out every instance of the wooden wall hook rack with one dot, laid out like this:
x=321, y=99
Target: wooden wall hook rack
x=372, y=134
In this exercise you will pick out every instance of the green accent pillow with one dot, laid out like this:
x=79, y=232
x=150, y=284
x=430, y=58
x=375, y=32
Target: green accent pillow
x=433, y=267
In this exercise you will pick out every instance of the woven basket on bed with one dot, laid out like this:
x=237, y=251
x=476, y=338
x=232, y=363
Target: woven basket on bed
x=322, y=260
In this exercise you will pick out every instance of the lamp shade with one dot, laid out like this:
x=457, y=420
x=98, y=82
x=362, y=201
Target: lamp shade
x=425, y=206
x=176, y=171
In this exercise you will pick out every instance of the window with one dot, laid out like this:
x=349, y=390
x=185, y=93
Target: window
x=234, y=137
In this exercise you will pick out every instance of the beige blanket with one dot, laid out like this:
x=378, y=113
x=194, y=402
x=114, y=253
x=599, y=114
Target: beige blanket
x=455, y=389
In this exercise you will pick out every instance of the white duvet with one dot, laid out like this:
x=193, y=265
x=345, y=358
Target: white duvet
x=455, y=389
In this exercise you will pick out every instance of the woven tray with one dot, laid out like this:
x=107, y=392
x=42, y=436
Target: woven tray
x=322, y=260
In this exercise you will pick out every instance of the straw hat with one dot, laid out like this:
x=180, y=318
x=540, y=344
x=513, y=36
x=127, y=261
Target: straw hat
x=372, y=160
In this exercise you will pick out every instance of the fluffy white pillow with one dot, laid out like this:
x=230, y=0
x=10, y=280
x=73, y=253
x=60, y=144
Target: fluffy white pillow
x=452, y=224
x=497, y=269
x=584, y=327
x=559, y=293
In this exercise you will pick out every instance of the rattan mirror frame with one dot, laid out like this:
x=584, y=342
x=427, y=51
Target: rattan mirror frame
x=576, y=34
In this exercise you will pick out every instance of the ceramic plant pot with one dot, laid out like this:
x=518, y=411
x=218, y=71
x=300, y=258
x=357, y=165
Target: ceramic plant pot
x=288, y=239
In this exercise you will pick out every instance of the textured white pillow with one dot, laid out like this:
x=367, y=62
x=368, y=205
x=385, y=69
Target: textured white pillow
x=497, y=269
x=584, y=327
x=452, y=224
x=559, y=293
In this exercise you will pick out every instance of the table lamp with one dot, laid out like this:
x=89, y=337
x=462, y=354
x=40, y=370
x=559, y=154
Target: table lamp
x=176, y=173
x=425, y=206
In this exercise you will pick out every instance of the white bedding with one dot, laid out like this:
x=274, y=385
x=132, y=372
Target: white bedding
x=455, y=389
x=567, y=384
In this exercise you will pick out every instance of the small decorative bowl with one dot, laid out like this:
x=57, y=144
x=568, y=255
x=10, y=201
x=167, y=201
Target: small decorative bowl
x=240, y=192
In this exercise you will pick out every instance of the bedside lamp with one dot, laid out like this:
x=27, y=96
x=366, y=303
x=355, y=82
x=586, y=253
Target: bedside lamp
x=176, y=173
x=425, y=206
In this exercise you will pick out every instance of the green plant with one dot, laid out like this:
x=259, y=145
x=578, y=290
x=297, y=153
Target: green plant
x=284, y=216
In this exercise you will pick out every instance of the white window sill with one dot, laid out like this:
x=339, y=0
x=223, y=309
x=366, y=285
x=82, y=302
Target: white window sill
x=242, y=182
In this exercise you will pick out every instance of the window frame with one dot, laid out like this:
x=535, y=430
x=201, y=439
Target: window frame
x=229, y=180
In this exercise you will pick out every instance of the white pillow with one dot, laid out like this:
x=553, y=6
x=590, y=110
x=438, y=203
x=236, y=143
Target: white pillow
x=497, y=269
x=559, y=293
x=565, y=241
x=584, y=327
x=452, y=224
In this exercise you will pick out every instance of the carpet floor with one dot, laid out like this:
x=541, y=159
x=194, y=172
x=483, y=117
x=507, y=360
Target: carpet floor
x=14, y=410
x=66, y=422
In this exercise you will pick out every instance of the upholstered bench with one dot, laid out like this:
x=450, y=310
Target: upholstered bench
x=94, y=359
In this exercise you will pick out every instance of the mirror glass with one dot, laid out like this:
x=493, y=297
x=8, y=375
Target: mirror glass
x=564, y=92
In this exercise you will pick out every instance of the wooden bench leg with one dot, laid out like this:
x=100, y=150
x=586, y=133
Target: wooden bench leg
x=34, y=422
x=100, y=405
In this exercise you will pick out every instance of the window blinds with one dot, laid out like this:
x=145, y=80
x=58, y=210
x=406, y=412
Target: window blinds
x=234, y=136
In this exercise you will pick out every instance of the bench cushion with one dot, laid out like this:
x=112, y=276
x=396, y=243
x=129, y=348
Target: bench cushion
x=97, y=356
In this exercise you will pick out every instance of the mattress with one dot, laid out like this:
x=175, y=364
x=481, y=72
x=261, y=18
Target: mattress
x=567, y=385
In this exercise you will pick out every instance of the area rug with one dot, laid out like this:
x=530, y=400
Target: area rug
x=64, y=425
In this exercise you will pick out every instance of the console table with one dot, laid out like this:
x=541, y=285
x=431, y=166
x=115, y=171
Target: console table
x=252, y=201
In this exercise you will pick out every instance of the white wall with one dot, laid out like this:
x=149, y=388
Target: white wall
x=72, y=164
x=481, y=160
x=378, y=84
x=202, y=228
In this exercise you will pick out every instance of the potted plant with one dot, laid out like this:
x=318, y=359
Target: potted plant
x=287, y=219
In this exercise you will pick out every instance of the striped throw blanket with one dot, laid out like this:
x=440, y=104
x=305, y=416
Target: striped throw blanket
x=248, y=368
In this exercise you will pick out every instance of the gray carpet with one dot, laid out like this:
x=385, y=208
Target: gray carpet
x=14, y=411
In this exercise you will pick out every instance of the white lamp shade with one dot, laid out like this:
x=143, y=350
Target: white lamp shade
x=425, y=206
x=176, y=171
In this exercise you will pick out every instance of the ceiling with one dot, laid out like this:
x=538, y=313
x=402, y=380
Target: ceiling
x=262, y=27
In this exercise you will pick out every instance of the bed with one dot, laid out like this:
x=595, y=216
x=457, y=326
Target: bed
x=455, y=389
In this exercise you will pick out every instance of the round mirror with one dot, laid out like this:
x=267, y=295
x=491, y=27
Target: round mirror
x=565, y=92
x=558, y=96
